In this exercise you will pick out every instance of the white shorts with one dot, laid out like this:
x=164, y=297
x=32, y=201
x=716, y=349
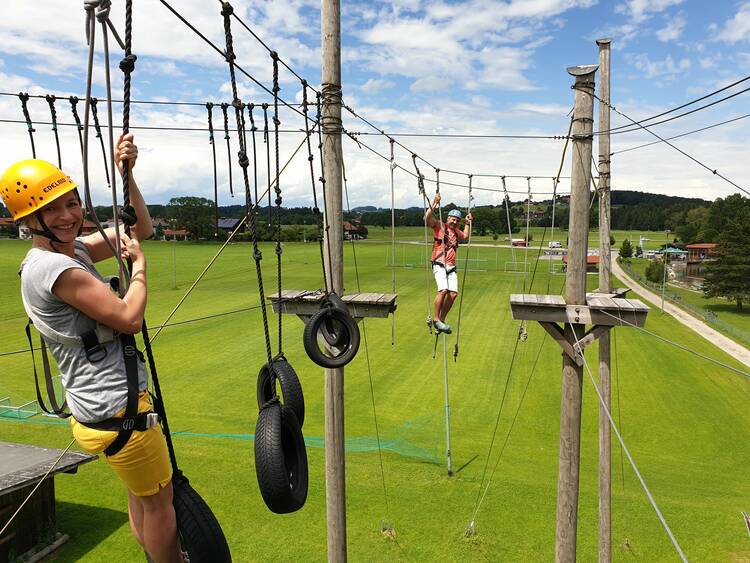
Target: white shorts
x=445, y=280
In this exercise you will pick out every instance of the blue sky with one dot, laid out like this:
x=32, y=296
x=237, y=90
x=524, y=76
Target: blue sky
x=481, y=66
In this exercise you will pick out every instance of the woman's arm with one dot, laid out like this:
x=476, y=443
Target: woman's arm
x=79, y=289
x=143, y=228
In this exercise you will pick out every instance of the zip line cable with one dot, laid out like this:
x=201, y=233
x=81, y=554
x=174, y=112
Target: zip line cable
x=682, y=134
x=695, y=101
x=680, y=115
x=662, y=139
x=603, y=403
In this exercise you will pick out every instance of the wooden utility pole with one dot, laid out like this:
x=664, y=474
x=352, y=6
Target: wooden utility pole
x=575, y=294
x=334, y=260
x=605, y=286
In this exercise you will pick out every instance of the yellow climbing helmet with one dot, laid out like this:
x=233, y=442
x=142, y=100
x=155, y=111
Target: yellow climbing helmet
x=31, y=184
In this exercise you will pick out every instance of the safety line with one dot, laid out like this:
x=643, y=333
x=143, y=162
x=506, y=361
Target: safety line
x=10, y=520
x=367, y=350
x=662, y=139
x=678, y=345
x=681, y=106
x=682, y=134
x=624, y=447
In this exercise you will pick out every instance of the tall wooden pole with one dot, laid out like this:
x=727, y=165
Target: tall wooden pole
x=334, y=255
x=575, y=294
x=605, y=286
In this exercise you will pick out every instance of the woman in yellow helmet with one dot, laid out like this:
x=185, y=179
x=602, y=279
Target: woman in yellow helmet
x=66, y=297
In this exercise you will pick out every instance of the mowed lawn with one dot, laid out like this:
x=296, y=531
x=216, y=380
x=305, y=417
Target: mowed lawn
x=684, y=420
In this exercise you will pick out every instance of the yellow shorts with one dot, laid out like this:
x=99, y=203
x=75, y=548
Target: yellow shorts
x=143, y=464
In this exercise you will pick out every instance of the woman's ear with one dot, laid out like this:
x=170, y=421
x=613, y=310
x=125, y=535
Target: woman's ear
x=31, y=222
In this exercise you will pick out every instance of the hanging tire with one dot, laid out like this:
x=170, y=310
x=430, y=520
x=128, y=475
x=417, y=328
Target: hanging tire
x=291, y=390
x=199, y=530
x=331, y=331
x=280, y=459
x=346, y=334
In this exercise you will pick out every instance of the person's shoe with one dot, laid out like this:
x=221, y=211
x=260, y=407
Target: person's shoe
x=440, y=326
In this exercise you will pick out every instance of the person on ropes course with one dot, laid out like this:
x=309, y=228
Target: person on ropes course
x=66, y=297
x=446, y=239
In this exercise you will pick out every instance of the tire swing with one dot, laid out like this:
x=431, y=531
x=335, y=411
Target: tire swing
x=280, y=454
x=331, y=336
x=198, y=529
x=291, y=390
x=335, y=328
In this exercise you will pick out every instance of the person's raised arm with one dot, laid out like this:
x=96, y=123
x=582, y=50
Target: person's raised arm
x=98, y=248
x=79, y=289
x=429, y=215
x=467, y=226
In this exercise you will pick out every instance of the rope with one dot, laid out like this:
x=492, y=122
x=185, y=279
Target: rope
x=619, y=409
x=392, y=168
x=277, y=188
x=24, y=97
x=266, y=140
x=74, y=110
x=428, y=253
x=677, y=345
x=369, y=369
x=209, y=109
x=326, y=225
x=253, y=129
x=53, y=112
x=625, y=449
x=224, y=108
x=526, y=246
x=316, y=210
x=226, y=12
x=18, y=510
x=472, y=525
x=506, y=199
x=463, y=279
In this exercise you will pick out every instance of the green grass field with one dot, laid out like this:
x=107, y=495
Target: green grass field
x=685, y=422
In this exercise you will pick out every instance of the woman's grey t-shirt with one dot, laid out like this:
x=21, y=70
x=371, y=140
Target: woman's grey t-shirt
x=94, y=391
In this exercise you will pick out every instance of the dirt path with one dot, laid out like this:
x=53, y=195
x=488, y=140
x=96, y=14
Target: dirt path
x=728, y=345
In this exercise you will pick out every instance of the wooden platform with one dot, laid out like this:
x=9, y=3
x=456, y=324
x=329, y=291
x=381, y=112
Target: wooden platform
x=600, y=309
x=307, y=303
x=21, y=468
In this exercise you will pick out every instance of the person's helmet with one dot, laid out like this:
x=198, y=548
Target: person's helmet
x=31, y=184
x=454, y=213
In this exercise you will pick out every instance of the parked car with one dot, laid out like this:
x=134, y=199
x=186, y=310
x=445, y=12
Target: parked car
x=554, y=244
x=518, y=242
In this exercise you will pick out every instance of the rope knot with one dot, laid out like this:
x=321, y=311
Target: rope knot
x=258, y=255
x=128, y=216
x=102, y=10
x=226, y=9
x=127, y=64
x=243, y=159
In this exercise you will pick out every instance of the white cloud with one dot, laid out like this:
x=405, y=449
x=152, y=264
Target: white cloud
x=641, y=10
x=673, y=30
x=737, y=28
x=544, y=109
x=374, y=85
x=664, y=69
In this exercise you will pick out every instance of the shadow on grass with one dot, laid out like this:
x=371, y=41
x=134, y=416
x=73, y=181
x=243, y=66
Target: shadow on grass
x=87, y=527
x=465, y=465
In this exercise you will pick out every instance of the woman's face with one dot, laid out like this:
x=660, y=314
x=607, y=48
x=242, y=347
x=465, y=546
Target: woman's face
x=63, y=216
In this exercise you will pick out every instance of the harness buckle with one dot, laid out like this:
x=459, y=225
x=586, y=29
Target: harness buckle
x=152, y=419
x=95, y=353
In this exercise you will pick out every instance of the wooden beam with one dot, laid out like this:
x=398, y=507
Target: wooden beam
x=557, y=333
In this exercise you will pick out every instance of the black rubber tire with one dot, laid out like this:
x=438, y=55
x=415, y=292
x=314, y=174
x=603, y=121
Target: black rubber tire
x=280, y=459
x=291, y=389
x=199, y=530
x=333, y=333
x=350, y=336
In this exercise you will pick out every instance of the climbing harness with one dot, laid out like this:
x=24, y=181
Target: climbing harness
x=280, y=455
